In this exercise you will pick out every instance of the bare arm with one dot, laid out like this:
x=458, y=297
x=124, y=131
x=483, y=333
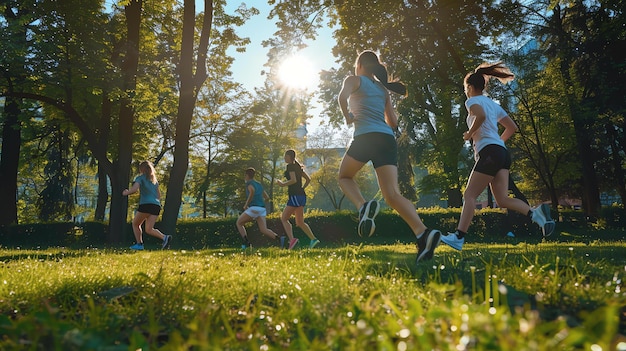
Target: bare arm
x=390, y=113
x=479, y=114
x=307, y=179
x=350, y=84
x=132, y=190
x=292, y=180
x=510, y=127
x=250, y=195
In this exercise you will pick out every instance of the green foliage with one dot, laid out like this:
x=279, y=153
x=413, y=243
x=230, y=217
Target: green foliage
x=488, y=297
x=332, y=228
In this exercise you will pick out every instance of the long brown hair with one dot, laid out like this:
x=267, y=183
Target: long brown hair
x=147, y=168
x=372, y=65
x=478, y=79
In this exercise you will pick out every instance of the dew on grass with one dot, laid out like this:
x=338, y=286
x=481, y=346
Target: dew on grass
x=402, y=346
x=349, y=314
x=404, y=333
x=595, y=347
x=492, y=311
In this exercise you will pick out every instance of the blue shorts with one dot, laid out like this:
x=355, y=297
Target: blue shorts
x=296, y=200
x=491, y=159
x=380, y=148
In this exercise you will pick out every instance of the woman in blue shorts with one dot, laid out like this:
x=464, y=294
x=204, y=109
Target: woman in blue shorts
x=297, y=199
x=149, y=205
x=365, y=102
x=493, y=160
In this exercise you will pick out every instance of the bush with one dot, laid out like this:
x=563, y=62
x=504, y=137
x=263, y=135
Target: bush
x=332, y=228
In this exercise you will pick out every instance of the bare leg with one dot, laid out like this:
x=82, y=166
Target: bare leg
x=287, y=212
x=300, y=223
x=347, y=171
x=475, y=185
x=240, y=224
x=500, y=189
x=139, y=218
x=150, y=229
x=262, y=223
x=388, y=183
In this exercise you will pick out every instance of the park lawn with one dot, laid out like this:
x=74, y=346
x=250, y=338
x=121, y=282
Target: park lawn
x=557, y=296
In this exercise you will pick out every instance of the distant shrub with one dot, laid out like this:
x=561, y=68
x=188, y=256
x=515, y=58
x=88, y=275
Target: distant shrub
x=332, y=228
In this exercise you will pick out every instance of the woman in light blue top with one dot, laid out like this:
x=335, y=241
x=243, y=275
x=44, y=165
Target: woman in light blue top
x=365, y=102
x=149, y=205
x=254, y=209
x=493, y=160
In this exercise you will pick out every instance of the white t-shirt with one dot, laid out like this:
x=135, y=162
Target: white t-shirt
x=488, y=133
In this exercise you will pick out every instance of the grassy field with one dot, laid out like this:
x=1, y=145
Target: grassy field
x=547, y=296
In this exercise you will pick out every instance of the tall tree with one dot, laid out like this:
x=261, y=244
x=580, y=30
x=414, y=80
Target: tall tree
x=587, y=40
x=193, y=73
x=12, y=63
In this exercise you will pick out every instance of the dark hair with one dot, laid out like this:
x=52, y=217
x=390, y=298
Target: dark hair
x=292, y=154
x=486, y=70
x=370, y=62
x=250, y=172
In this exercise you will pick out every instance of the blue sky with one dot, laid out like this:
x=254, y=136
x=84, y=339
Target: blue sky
x=248, y=66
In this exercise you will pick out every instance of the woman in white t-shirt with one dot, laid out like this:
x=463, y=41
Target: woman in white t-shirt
x=492, y=157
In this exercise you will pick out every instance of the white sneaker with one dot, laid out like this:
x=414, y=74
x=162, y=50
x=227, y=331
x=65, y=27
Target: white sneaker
x=539, y=216
x=453, y=241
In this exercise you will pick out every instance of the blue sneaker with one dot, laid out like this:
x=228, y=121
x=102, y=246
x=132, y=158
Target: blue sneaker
x=166, y=241
x=313, y=243
x=137, y=247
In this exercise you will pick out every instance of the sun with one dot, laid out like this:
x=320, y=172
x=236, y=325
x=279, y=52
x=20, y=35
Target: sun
x=297, y=72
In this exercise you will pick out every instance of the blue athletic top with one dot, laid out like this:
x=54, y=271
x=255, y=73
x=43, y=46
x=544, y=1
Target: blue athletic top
x=487, y=134
x=148, y=192
x=367, y=104
x=257, y=198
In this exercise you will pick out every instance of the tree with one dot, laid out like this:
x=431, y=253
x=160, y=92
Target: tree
x=586, y=39
x=13, y=65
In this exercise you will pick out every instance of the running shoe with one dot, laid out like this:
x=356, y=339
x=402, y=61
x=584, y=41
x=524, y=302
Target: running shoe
x=137, y=247
x=166, y=241
x=293, y=242
x=544, y=221
x=453, y=241
x=426, y=244
x=313, y=243
x=367, y=213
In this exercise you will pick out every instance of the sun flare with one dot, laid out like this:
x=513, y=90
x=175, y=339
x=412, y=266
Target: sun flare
x=297, y=72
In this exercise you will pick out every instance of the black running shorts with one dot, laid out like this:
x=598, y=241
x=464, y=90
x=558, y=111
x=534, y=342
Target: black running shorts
x=380, y=148
x=149, y=208
x=491, y=159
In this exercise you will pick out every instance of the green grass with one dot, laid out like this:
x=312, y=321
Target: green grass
x=548, y=296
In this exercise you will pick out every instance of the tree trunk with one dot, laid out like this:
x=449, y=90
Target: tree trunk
x=121, y=167
x=9, y=161
x=190, y=84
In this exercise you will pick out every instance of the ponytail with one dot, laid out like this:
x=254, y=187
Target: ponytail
x=380, y=72
x=371, y=64
x=485, y=71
